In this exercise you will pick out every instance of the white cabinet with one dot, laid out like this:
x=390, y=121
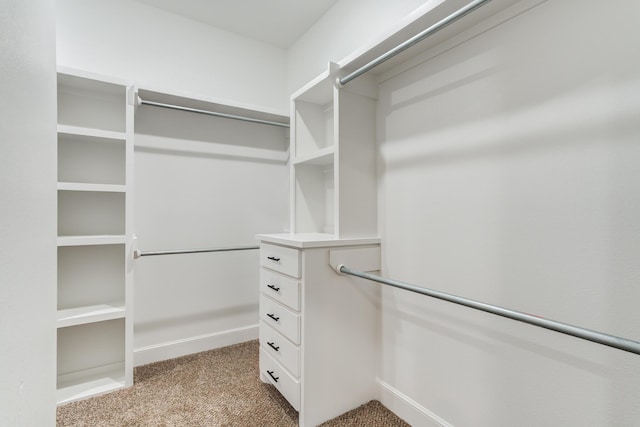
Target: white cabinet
x=280, y=320
x=318, y=329
x=95, y=155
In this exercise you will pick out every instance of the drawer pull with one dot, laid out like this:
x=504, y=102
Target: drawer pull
x=273, y=316
x=276, y=289
x=272, y=258
x=271, y=375
x=273, y=346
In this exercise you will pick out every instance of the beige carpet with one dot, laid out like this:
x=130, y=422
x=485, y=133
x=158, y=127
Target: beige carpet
x=215, y=388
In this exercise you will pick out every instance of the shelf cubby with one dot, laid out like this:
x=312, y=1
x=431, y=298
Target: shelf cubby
x=91, y=157
x=314, y=198
x=90, y=276
x=91, y=359
x=82, y=213
x=91, y=103
x=314, y=128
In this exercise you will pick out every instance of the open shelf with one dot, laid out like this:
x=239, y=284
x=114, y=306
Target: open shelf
x=91, y=156
x=90, y=314
x=88, y=102
x=91, y=240
x=81, y=186
x=90, y=359
x=323, y=156
x=83, y=213
x=314, y=128
x=196, y=101
x=90, y=382
x=91, y=132
x=314, y=198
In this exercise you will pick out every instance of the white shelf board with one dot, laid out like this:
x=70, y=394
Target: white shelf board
x=91, y=382
x=321, y=157
x=90, y=314
x=91, y=132
x=315, y=240
x=91, y=240
x=77, y=74
x=83, y=186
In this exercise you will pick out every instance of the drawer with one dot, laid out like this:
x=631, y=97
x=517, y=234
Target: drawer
x=280, y=348
x=281, y=288
x=279, y=258
x=273, y=372
x=280, y=318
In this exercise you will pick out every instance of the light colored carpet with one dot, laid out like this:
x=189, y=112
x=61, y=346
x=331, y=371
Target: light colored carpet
x=215, y=388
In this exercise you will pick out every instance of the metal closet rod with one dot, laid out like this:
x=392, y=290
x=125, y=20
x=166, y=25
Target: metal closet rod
x=210, y=113
x=413, y=40
x=564, y=328
x=138, y=254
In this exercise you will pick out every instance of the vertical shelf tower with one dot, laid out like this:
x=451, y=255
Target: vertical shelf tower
x=95, y=172
x=333, y=174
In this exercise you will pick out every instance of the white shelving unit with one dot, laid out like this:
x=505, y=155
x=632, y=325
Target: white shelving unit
x=333, y=156
x=95, y=171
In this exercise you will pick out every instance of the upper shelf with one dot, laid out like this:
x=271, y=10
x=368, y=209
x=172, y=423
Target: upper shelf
x=422, y=18
x=211, y=104
x=73, y=80
x=319, y=90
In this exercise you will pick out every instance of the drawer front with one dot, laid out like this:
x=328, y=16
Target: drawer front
x=280, y=348
x=288, y=386
x=281, y=288
x=280, y=318
x=279, y=258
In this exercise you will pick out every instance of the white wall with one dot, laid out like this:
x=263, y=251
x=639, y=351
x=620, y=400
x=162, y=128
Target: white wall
x=510, y=173
x=202, y=182
x=155, y=48
x=28, y=213
x=347, y=26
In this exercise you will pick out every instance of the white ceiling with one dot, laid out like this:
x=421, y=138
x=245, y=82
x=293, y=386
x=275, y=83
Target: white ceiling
x=278, y=22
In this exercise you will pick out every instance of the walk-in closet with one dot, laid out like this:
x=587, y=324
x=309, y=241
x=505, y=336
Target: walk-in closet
x=320, y=213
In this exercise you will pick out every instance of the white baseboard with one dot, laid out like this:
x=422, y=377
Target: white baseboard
x=408, y=409
x=178, y=348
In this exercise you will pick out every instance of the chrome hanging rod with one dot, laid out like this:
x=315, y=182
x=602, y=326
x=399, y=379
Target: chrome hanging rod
x=576, y=331
x=138, y=254
x=412, y=41
x=210, y=113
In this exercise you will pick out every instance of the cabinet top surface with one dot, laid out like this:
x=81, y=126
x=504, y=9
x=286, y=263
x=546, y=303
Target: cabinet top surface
x=315, y=240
